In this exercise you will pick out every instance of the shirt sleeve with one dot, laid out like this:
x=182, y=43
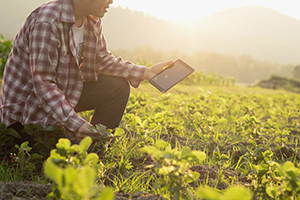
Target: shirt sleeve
x=43, y=48
x=108, y=64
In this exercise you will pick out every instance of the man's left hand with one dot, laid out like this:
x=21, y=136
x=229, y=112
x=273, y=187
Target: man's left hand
x=155, y=69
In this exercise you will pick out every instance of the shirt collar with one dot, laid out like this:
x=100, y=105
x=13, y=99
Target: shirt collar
x=67, y=14
x=96, y=23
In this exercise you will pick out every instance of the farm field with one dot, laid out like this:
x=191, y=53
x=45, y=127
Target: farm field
x=200, y=141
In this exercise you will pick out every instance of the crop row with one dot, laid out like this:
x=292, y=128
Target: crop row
x=181, y=146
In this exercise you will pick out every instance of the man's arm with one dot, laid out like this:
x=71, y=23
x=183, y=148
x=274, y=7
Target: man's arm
x=109, y=65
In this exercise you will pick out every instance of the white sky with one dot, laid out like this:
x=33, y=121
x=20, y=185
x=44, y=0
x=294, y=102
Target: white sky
x=185, y=9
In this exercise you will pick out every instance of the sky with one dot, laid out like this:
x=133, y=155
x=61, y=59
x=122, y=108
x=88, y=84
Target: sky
x=180, y=10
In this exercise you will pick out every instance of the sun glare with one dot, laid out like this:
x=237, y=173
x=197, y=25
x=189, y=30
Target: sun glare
x=181, y=10
x=168, y=9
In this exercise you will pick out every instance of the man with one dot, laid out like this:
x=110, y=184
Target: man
x=60, y=65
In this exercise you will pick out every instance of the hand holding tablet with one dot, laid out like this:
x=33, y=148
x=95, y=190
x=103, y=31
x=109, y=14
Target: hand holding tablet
x=171, y=75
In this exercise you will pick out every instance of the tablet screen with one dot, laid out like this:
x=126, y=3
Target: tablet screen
x=171, y=75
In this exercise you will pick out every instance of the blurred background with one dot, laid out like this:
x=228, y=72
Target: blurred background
x=246, y=40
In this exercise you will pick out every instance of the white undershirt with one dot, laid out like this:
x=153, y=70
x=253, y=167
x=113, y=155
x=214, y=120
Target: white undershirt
x=78, y=38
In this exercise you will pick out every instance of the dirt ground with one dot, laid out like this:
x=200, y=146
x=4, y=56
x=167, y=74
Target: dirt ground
x=33, y=191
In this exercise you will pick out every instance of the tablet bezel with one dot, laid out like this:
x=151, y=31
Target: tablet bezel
x=183, y=64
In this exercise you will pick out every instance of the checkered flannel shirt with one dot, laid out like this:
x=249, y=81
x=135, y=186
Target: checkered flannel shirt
x=42, y=81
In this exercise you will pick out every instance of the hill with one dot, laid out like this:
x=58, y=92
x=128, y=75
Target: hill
x=262, y=33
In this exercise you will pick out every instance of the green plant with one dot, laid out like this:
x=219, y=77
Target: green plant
x=71, y=168
x=75, y=155
x=231, y=193
x=5, y=48
x=24, y=158
x=289, y=187
x=45, y=138
x=105, y=137
x=174, y=165
x=131, y=183
x=75, y=183
x=7, y=136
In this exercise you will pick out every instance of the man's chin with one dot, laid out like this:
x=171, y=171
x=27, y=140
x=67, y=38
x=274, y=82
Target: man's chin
x=100, y=15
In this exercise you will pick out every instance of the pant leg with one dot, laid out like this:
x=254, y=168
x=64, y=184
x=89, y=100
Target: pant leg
x=108, y=96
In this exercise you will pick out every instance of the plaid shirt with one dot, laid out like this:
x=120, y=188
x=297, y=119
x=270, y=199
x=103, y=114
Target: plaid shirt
x=42, y=81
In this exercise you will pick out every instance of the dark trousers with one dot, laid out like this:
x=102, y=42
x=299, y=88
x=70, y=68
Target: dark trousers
x=108, y=97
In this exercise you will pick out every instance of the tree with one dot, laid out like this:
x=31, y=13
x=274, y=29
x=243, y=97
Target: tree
x=296, y=72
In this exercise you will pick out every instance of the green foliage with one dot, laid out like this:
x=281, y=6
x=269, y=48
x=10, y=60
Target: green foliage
x=231, y=193
x=279, y=82
x=24, y=159
x=174, y=165
x=200, y=78
x=71, y=169
x=45, y=138
x=75, y=155
x=245, y=136
x=7, y=136
x=105, y=137
x=5, y=48
x=289, y=187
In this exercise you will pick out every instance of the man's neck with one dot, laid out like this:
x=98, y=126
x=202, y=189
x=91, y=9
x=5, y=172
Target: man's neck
x=78, y=22
x=78, y=12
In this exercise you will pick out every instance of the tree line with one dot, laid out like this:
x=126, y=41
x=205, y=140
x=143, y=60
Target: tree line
x=243, y=68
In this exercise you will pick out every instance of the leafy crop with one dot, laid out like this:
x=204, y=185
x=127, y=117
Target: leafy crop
x=5, y=48
x=24, y=158
x=45, y=138
x=71, y=167
x=7, y=136
x=250, y=142
x=174, y=165
x=105, y=137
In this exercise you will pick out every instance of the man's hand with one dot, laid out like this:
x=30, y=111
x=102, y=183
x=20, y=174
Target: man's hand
x=84, y=131
x=155, y=69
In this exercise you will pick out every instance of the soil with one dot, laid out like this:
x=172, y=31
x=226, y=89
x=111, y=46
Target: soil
x=33, y=191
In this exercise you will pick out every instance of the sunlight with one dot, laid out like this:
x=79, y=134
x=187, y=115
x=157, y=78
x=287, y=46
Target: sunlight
x=183, y=10
x=170, y=9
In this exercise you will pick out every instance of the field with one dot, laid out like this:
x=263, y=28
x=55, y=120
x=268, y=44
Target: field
x=203, y=142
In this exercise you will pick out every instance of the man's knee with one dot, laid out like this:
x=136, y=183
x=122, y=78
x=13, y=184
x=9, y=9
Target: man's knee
x=125, y=86
x=119, y=85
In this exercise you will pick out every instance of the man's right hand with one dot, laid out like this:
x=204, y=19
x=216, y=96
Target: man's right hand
x=84, y=131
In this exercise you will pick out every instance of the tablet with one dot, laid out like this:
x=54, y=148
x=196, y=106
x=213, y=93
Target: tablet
x=171, y=75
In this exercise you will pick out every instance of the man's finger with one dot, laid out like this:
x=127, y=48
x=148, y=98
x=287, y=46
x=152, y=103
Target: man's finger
x=166, y=63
